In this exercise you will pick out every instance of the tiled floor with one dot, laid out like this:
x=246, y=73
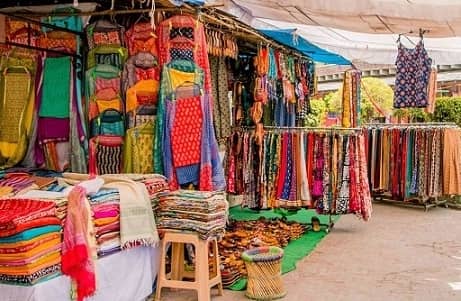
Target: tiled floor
x=401, y=254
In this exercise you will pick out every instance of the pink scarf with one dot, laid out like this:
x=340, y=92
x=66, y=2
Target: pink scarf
x=77, y=261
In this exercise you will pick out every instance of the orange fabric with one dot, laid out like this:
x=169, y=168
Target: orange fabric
x=144, y=91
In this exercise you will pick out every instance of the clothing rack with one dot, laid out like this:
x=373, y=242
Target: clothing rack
x=411, y=125
x=299, y=128
x=426, y=202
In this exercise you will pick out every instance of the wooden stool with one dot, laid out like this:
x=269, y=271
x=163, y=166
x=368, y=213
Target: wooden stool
x=203, y=279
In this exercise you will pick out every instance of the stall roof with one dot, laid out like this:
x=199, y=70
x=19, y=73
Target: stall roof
x=289, y=38
x=364, y=30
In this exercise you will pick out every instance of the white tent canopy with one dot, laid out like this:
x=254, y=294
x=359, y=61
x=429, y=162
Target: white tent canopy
x=364, y=30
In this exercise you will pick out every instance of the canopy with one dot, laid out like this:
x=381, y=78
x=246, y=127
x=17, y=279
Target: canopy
x=441, y=17
x=365, y=30
x=288, y=37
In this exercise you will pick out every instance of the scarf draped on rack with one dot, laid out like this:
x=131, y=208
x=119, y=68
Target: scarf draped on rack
x=300, y=169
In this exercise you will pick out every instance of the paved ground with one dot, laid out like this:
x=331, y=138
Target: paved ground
x=401, y=254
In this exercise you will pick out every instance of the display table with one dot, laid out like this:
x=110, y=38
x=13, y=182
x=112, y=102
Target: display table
x=127, y=275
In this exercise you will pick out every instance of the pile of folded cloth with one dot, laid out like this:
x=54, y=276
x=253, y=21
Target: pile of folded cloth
x=198, y=211
x=30, y=241
x=155, y=184
x=15, y=182
x=105, y=206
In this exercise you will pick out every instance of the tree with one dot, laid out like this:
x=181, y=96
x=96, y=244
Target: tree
x=372, y=88
x=318, y=112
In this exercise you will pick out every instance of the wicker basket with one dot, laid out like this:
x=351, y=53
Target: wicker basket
x=264, y=273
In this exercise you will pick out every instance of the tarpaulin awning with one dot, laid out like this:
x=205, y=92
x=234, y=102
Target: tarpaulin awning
x=289, y=37
x=363, y=30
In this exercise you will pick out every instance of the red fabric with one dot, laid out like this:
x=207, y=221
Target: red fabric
x=30, y=224
x=140, y=38
x=186, y=135
x=205, y=179
x=145, y=74
x=77, y=261
x=14, y=212
x=354, y=205
x=310, y=160
x=197, y=45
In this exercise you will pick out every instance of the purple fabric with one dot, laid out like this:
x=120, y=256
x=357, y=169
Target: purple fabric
x=56, y=129
x=210, y=154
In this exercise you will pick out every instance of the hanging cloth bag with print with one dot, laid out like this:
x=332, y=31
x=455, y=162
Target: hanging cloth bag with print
x=107, y=54
x=105, y=155
x=104, y=32
x=110, y=122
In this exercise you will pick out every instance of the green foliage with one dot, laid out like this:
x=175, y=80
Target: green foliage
x=318, y=112
x=413, y=114
x=448, y=109
x=373, y=88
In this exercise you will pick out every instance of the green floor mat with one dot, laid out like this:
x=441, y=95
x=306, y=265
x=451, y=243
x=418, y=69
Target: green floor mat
x=296, y=249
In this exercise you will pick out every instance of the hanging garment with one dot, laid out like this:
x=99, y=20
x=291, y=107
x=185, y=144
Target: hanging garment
x=184, y=35
x=142, y=66
x=221, y=105
x=138, y=149
x=452, y=162
x=16, y=111
x=432, y=91
x=55, y=102
x=141, y=38
x=144, y=92
x=413, y=67
x=104, y=32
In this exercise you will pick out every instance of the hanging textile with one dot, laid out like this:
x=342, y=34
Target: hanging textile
x=221, y=105
x=432, y=91
x=305, y=168
x=351, y=98
x=16, y=106
x=185, y=146
x=413, y=163
x=413, y=68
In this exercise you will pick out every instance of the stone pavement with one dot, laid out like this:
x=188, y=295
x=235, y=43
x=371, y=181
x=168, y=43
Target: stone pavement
x=400, y=254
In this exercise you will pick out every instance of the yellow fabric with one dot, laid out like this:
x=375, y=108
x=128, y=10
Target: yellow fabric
x=40, y=248
x=138, y=149
x=115, y=104
x=14, y=152
x=179, y=78
x=43, y=262
x=5, y=191
x=346, y=101
x=27, y=242
x=106, y=220
x=147, y=86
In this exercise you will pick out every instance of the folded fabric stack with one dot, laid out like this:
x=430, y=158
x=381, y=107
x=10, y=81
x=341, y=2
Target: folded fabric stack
x=30, y=241
x=197, y=211
x=105, y=206
x=13, y=183
x=155, y=185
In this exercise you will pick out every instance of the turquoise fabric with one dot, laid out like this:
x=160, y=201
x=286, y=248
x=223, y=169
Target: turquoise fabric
x=30, y=234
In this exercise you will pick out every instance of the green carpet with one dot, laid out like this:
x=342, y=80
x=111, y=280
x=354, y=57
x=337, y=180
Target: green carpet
x=296, y=249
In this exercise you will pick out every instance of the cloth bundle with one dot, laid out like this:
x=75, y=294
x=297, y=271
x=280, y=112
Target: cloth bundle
x=197, y=211
x=30, y=241
x=155, y=185
x=105, y=207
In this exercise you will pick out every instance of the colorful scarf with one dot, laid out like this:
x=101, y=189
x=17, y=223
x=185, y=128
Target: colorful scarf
x=77, y=259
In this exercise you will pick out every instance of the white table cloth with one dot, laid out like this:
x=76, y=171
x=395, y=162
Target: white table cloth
x=126, y=275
